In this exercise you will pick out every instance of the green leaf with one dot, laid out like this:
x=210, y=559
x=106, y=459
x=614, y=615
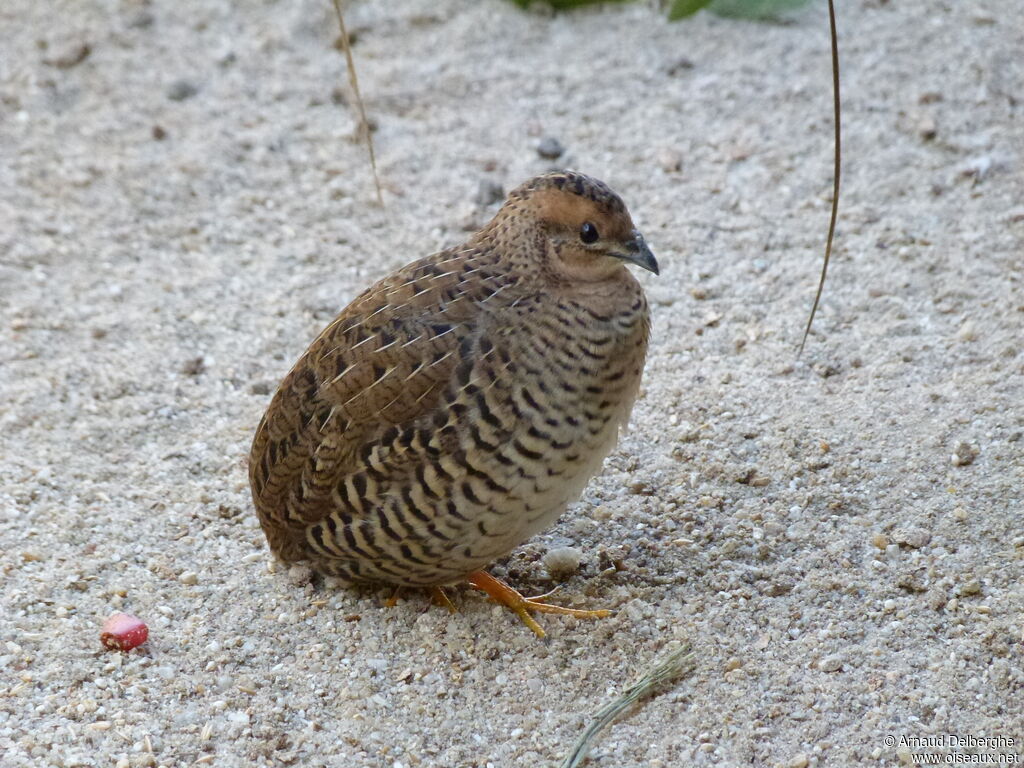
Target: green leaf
x=682, y=8
x=761, y=10
x=564, y=5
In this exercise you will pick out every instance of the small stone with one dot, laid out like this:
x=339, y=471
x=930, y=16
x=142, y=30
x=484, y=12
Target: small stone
x=562, y=562
x=967, y=332
x=670, y=160
x=798, y=760
x=159, y=133
x=880, y=541
x=831, y=663
x=489, y=192
x=914, y=538
x=260, y=388
x=963, y=454
x=679, y=65
x=300, y=575
x=71, y=56
x=779, y=588
x=913, y=582
x=180, y=90
x=194, y=366
x=972, y=587
x=926, y=128
x=189, y=578
x=550, y=148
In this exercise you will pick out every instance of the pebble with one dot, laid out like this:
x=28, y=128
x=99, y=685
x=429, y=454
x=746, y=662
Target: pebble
x=193, y=366
x=963, y=454
x=71, y=56
x=798, y=760
x=967, y=332
x=915, y=538
x=489, y=192
x=670, y=160
x=180, y=90
x=831, y=663
x=679, y=65
x=927, y=129
x=189, y=578
x=562, y=562
x=550, y=148
x=972, y=587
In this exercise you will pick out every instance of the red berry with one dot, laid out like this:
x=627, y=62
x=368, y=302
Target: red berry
x=122, y=632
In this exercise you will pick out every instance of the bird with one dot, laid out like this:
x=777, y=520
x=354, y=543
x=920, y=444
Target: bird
x=457, y=406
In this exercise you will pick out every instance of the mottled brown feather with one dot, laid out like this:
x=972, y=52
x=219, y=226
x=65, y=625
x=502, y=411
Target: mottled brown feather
x=456, y=406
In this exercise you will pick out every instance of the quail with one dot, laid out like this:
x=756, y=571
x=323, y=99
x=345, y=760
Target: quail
x=458, y=405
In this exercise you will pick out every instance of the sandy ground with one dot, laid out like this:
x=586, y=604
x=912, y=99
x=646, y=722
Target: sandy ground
x=840, y=537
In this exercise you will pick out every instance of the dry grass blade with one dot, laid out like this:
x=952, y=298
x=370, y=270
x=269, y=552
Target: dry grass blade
x=661, y=674
x=835, y=176
x=354, y=82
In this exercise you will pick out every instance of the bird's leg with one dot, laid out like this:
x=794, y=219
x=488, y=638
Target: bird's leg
x=502, y=593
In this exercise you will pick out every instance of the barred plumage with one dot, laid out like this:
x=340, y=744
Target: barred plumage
x=458, y=405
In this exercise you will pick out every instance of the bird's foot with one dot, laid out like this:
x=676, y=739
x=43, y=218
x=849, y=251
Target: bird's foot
x=502, y=593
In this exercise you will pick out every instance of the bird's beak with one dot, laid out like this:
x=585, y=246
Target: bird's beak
x=637, y=252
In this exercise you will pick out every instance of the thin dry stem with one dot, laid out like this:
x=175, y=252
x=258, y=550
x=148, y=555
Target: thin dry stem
x=354, y=82
x=835, y=176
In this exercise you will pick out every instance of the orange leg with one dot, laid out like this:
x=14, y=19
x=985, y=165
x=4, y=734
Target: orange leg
x=502, y=593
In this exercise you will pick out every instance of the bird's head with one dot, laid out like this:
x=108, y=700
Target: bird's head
x=587, y=230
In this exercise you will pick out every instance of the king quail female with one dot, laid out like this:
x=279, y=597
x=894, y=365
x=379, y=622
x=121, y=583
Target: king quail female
x=458, y=405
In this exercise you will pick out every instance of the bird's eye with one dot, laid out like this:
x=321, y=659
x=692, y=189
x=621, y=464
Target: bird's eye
x=588, y=233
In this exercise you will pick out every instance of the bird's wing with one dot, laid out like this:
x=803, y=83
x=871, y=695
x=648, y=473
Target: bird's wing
x=382, y=364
